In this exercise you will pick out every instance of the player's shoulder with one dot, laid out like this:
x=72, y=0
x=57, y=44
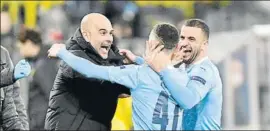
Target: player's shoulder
x=147, y=75
x=206, y=68
x=208, y=64
x=145, y=70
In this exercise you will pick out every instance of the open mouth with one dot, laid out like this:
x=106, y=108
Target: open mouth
x=187, y=51
x=105, y=47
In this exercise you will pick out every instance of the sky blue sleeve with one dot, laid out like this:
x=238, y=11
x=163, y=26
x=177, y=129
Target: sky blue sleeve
x=187, y=90
x=124, y=75
x=139, y=60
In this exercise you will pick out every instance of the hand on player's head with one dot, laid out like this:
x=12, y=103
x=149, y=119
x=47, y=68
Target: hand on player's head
x=53, y=51
x=153, y=47
x=129, y=56
x=153, y=56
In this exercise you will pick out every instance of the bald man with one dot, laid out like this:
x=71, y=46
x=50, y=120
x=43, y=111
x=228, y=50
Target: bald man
x=79, y=103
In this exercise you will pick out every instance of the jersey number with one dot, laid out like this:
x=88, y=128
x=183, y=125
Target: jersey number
x=162, y=105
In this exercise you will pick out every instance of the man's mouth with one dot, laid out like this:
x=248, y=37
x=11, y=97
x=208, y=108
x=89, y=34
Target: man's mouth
x=105, y=47
x=187, y=51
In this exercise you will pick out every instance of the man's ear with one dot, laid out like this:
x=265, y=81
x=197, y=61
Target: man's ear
x=86, y=36
x=205, y=42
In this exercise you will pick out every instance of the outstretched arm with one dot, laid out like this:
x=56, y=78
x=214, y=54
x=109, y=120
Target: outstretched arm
x=84, y=66
x=124, y=75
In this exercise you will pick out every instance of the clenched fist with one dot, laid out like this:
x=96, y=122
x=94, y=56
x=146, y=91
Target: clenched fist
x=54, y=50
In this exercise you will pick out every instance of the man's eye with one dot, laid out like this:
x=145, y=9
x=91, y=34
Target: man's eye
x=191, y=39
x=103, y=33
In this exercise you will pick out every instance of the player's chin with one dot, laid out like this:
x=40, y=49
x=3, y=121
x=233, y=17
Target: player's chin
x=104, y=56
x=186, y=59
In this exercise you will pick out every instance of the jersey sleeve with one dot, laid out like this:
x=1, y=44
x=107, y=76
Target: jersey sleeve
x=187, y=90
x=200, y=81
x=126, y=75
x=123, y=75
x=139, y=60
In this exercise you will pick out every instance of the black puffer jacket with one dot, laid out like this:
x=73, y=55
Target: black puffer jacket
x=12, y=111
x=76, y=100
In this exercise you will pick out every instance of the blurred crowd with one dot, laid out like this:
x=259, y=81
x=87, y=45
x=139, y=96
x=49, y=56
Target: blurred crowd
x=131, y=21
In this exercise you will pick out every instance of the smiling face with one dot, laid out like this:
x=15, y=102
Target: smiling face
x=192, y=42
x=100, y=35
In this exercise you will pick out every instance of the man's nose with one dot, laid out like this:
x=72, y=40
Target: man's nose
x=109, y=39
x=183, y=43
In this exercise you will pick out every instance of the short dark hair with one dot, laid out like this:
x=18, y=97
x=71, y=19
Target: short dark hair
x=30, y=34
x=167, y=34
x=199, y=24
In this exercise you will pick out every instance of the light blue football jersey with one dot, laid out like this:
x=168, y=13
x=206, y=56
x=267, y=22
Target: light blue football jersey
x=201, y=97
x=152, y=106
x=206, y=115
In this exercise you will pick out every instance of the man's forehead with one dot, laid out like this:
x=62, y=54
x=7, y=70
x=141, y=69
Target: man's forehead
x=103, y=25
x=190, y=31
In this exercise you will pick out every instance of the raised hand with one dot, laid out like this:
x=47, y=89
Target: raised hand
x=130, y=57
x=54, y=50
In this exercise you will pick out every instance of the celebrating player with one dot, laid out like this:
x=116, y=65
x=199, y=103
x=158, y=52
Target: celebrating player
x=202, y=96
